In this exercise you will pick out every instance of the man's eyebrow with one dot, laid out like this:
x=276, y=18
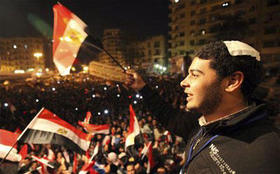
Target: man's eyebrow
x=196, y=70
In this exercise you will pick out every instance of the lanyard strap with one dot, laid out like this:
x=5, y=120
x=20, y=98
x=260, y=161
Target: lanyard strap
x=190, y=156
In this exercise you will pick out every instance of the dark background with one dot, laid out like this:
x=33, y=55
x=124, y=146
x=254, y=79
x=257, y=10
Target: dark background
x=137, y=18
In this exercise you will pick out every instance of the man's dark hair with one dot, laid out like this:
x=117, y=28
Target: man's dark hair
x=225, y=65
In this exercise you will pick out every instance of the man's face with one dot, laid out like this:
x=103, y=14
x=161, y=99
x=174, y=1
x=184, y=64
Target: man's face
x=202, y=87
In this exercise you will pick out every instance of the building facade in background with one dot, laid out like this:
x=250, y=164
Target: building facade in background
x=113, y=42
x=150, y=54
x=24, y=54
x=193, y=23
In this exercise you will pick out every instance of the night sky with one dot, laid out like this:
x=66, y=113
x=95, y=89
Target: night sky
x=139, y=18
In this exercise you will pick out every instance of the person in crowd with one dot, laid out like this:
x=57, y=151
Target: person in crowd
x=225, y=129
x=130, y=168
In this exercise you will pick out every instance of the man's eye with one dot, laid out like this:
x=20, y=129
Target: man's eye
x=194, y=75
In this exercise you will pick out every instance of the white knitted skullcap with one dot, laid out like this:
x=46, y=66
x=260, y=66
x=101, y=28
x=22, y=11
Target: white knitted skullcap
x=237, y=48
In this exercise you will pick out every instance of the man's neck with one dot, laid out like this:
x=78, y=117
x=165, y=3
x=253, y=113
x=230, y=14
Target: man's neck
x=223, y=112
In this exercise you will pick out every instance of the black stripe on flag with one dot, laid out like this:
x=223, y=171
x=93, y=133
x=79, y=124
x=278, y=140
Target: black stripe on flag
x=44, y=137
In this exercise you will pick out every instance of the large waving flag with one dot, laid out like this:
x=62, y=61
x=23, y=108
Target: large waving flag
x=134, y=129
x=7, y=143
x=68, y=35
x=47, y=128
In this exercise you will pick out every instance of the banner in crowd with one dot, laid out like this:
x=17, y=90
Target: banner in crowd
x=47, y=128
x=107, y=72
x=7, y=142
x=68, y=36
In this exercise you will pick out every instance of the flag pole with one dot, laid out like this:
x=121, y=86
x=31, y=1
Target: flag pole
x=102, y=49
x=21, y=135
x=29, y=124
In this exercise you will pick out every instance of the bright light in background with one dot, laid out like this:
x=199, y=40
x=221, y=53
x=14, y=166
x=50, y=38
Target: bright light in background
x=137, y=95
x=6, y=104
x=106, y=111
x=118, y=95
x=38, y=74
x=19, y=71
x=58, y=82
x=157, y=86
x=73, y=69
x=225, y=4
x=15, y=46
x=141, y=97
x=47, y=70
x=117, y=85
x=156, y=65
x=6, y=82
x=135, y=102
x=38, y=55
x=76, y=109
x=53, y=88
x=160, y=68
x=93, y=96
x=30, y=69
x=37, y=100
x=99, y=113
x=176, y=1
x=105, y=88
x=85, y=68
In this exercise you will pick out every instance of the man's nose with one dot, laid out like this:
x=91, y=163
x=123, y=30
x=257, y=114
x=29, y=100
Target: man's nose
x=185, y=82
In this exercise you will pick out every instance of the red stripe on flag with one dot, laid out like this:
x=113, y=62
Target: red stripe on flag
x=61, y=17
x=8, y=138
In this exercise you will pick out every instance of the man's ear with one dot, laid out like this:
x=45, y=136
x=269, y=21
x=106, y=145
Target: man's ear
x=234, y=81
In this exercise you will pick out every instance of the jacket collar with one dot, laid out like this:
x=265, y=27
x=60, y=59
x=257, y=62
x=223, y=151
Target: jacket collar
x=234, y=118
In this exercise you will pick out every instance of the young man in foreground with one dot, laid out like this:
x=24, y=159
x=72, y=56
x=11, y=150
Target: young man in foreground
x=231, y=133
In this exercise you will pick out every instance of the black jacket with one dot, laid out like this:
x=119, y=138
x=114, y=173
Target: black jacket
x=246, y=143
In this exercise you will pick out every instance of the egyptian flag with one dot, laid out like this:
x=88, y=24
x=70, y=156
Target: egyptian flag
x=106, y=140
x=88, y=117
x=68, y=35
x=18, y=131
x=44, y=163
x=168, y=137
x=7, y=142
x=134, y=129
x=151, y=161
x=47, y=128
x=92, y=128
x=96, y=129
x=145, y=150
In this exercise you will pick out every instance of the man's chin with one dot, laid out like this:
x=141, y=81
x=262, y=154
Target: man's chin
x=191, y=109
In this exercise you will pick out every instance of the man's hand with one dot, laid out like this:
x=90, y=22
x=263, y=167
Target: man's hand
x=134, y=80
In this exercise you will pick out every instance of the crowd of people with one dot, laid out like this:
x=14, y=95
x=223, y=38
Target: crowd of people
x=71, y=99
